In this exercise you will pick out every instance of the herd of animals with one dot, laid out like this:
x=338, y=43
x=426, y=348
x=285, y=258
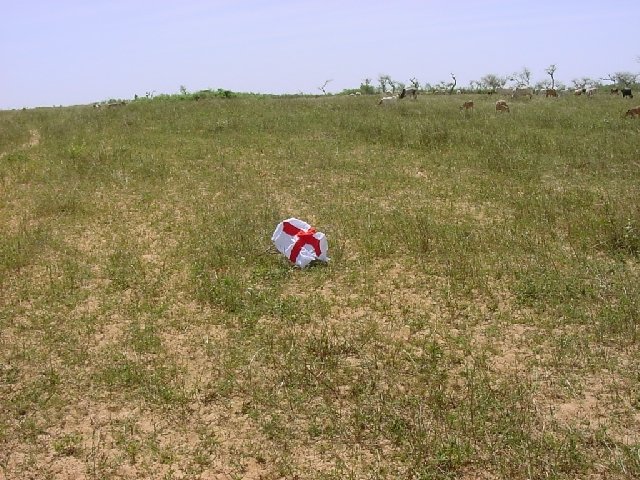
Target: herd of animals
x=503, y=106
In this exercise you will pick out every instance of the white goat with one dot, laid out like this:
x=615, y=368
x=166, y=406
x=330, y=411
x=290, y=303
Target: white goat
x=591, y=91
x=388, y=100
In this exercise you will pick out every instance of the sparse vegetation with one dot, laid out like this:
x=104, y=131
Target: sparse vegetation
x=479, y=317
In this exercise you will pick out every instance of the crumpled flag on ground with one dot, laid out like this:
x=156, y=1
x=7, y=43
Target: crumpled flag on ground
x=299, y=242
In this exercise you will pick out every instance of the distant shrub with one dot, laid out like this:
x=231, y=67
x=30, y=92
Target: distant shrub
x=196, y=96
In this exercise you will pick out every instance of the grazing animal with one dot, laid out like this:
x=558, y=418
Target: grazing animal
x=550, y=92
x=501, y=106
x=388, y=100
x=615, y=91
x=467, y=106
x=633, y=112
x=579, y=91
x=522, y=92
x=626, y=92
x=591, y=91
x=411, y=92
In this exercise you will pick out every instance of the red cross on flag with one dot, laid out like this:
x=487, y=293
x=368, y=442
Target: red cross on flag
x=299, y=242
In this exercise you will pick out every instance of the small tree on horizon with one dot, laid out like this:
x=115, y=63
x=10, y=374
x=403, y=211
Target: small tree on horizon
x=523, y=78
x=551, y=70
x=578, y=83
x=384, y=81
x=475, y=85
x=323, y=87
x=492, y=81
x=366, y=87
x=542, y=85
x=622, y=78
x=582, y=82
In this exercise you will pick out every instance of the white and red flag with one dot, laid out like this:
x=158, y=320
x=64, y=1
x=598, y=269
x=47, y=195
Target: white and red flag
x=299, y=242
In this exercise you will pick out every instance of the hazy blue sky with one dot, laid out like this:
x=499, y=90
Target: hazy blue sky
x=71, y=51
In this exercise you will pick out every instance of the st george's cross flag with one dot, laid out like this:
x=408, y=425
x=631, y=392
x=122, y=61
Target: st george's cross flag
x=300, y=242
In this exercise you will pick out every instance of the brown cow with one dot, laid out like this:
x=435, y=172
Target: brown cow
x=615, y=91
x=501, y=106
x=551, y=92
x=467, y=106
x=633, y=112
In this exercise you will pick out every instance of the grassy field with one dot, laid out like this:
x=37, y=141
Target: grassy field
x=479, y=317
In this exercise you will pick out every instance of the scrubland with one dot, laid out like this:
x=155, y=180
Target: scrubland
x=479, y=317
